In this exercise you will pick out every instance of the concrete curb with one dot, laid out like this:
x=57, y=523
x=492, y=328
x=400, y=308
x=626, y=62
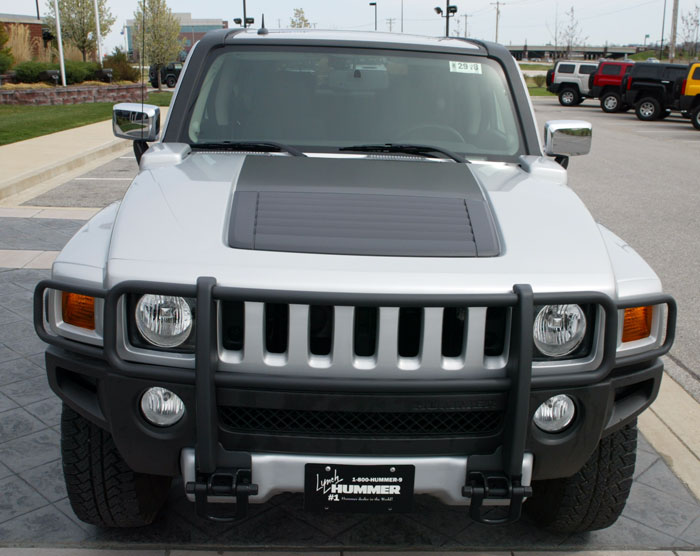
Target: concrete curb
x=34, y=177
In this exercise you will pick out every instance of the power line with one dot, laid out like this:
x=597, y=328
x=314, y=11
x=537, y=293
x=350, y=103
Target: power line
x=390, y=22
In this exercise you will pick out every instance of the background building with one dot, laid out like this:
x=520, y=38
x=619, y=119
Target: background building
x=34, y=25
x=191, y=30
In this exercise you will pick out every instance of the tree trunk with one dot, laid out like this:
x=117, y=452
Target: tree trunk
x=84, y=52
x=160, y=83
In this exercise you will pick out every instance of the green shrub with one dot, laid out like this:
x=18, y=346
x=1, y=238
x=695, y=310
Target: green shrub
x=28, y=72
x=540, y=80
x=6, y=60
x=77, y=72
x=118, y=61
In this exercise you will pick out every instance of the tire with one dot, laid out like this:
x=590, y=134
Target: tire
x=695, y=117
x=593, y=498
x=648, y=109
x=102, y=489
x=569, y=97
x=611, y=102
x=171, y=81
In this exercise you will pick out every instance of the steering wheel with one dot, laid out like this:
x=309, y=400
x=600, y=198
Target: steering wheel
x=445, y=129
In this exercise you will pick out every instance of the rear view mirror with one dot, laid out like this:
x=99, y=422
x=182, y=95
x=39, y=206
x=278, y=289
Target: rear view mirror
x=138, y=122
x=564, y=138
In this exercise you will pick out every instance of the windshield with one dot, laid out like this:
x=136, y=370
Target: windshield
x=325, y=99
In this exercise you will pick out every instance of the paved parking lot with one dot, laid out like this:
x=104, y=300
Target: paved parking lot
x=641, y=181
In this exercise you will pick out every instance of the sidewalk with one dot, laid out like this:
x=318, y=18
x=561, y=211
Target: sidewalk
x=29, y=163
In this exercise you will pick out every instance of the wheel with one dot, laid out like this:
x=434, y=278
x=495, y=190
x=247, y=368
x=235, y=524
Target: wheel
x=102, y=489
x=648, y=109
x=695, y=117
x=611, y=102
x=445, y=129
x=593, y=498
x=171, y=81
x=569, y=97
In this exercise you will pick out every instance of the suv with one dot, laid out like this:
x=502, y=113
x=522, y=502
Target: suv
x=606, y=83
x=169, y=74
x=339, y=272
x=690, y=95
x=570, y=81
x=652, y=89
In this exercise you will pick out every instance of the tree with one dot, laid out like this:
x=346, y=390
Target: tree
x=299, y=20
x=78, y=22
x=162, y=42
x=689, y=29
x=571, y=34
x=6, y=58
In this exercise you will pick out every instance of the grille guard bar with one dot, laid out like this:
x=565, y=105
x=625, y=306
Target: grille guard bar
x=504, y=467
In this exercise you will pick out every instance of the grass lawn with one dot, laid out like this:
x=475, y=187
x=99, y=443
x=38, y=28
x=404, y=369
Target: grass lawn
x=539, y=92
x=24, y=122
x=536, y=66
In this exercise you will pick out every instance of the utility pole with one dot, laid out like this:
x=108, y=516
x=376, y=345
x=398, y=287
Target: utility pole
x=447, y=18
x=39, y=17
x=498, y=5
x=375, y=14
x=245, y=17
x=465, y=26
x=401, y=15
x=99, y=37
x=663, y=29
x=674, y=26
x=390, y=21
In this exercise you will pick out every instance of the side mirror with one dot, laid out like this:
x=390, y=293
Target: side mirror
x=565, y=138
x=138, y=122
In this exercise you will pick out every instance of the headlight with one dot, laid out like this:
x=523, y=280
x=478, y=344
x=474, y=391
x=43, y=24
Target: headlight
x=164, y=321
x=559, y=329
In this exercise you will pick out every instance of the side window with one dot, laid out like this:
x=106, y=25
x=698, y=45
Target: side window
x=587, y=69
x=628, y=69
x=696, y=74
x=611, y=69
x=565, y=68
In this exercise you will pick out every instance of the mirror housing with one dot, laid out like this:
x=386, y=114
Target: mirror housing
x=138, y=122
x=564, y=138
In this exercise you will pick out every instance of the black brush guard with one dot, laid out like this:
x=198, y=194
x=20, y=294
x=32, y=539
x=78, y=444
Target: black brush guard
x=227, y=476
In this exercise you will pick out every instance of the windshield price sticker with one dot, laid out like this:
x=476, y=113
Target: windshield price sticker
x=465, y=67
x=358, y=488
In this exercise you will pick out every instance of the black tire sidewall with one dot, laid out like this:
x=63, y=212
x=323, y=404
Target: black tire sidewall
x=607, y=96
x=576, y=99
x=171, y=82
x=657, y=109
x=695, y=117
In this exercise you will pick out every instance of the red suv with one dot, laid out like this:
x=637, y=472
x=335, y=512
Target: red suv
x=606, y=84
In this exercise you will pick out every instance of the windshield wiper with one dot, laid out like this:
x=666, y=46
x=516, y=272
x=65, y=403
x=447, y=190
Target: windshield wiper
x=421, y=150
x=264, y=146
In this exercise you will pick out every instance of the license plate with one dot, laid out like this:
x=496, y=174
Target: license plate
x=358, y=488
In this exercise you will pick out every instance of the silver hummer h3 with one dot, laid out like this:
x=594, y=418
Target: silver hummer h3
x=349, y=268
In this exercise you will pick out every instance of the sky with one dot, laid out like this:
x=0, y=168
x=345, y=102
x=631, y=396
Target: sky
x=620, y=22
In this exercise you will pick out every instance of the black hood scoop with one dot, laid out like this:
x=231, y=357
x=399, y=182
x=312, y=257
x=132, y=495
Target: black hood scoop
x=361, y=207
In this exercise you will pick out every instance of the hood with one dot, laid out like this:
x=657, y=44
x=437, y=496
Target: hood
x=175, y=224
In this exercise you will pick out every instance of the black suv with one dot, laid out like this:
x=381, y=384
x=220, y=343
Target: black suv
x=169, y=74
x=650, y=88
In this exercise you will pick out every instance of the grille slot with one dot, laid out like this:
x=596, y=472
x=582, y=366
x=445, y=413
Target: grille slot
x=276, y=327
x=454, y=322
x=355, y=423
x=365, y=331
x=321, y=329
x=410, y=327
x=232, y=325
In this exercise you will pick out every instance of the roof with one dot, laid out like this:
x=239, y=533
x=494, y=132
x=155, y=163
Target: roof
x=355, y=36
x=13, y=18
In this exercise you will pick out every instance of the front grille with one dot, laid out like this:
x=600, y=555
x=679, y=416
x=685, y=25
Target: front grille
x=356, y=423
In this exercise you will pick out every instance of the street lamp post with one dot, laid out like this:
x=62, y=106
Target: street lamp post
x=450, y=11
x=663, y=29
x=99, y=36
x=60, y=43
x=375, y=14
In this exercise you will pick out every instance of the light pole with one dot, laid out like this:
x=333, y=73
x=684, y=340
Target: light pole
x=60, y=43
x=375, y=14
x=645, y=39
x=663, y=29
x=449, y=12
x=99, y=37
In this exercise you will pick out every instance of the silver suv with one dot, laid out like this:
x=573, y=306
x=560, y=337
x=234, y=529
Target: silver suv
x=569, y=80
x=348, y=268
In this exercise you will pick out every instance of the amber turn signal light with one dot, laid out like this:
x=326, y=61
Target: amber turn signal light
x=637, y=323
x=78, y=310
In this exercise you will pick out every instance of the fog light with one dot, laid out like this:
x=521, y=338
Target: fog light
x=162, y=407
x=555, y=414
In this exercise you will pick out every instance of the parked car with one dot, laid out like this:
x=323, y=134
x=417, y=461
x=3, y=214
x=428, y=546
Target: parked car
x=569, y=80
x=690, y=95
x=348, y=268
x=169, y=74
x=606, y=84
x=651, y=88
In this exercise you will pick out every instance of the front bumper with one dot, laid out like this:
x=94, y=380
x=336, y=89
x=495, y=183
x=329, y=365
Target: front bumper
x=105, y=389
